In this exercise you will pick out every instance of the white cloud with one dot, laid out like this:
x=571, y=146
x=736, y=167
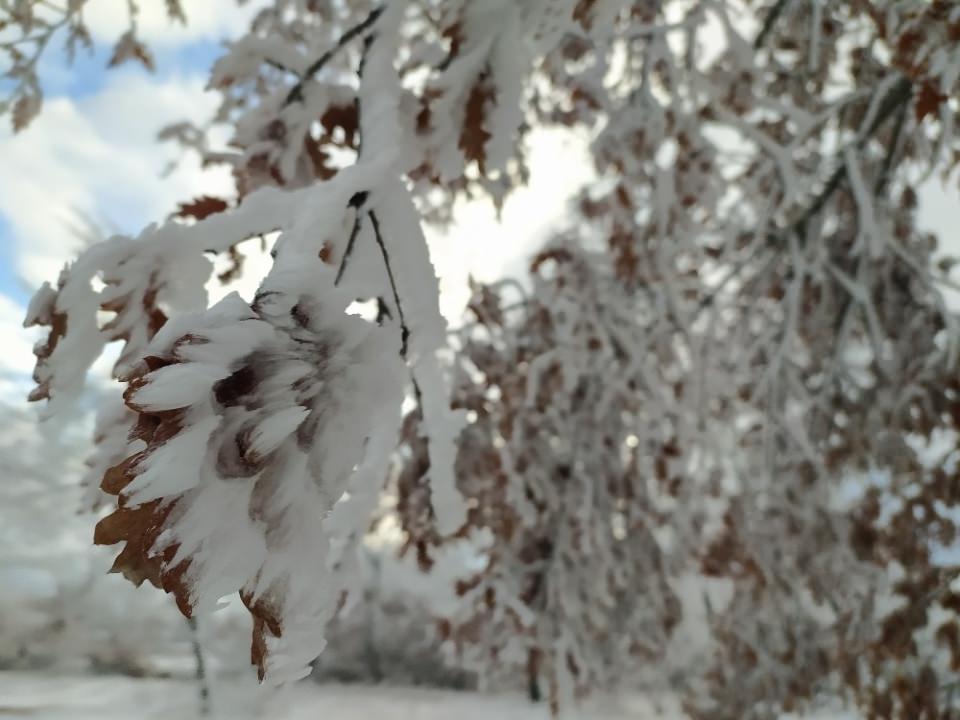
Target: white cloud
x=480, y=245
x=16, y=360
x=97, y=158
x=17, y=355
x=206, y=20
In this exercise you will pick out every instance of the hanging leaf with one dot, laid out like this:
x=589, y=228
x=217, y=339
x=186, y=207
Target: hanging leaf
x=128, y=48
x=474, y=135
x=201, y=207
x=25, y=109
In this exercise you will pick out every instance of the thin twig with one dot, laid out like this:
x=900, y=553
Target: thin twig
x=296, y=92
x=884, y=176
x=878, y=189
x=896, y=100
x=769, y=21
x=359, y=198
x=277, y=65
x=203, y=681
x=898, y=96
x=349, y=250
x=356, y=202
x=404, y=329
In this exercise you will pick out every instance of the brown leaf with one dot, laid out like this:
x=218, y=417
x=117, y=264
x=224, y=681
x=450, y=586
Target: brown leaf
x=928, y=101
x=454, y=34
x=344, y=117
x=473, y=135
x=129, y=47
x=425, y=116
x=25, y=110
x=582, y=13
x=236, y=266
x=58, y=328
x=175, y=11
x=266, y=621
x=201, y=207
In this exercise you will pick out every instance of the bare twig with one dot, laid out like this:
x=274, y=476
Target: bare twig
x=896, y=101
x=203, y=682
x=296, y=92
x=769, y=21
x=404, y=329
x=357, y=202
x=878, y=189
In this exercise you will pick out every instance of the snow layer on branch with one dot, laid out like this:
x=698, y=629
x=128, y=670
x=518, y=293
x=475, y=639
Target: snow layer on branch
x=508, y=53
x=247, y=55
x=379, y=92
x=163, y=271
x=418, y=289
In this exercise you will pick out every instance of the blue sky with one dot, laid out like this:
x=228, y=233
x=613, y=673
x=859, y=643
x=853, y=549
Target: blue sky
x=81, y=83
x=92, y=155
x=89, y=72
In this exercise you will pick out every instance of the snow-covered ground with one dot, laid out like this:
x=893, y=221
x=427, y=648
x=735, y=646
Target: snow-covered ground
x=35, y=696
x=44, y=696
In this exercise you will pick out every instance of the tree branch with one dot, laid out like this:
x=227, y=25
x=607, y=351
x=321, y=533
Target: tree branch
x=203, y=682
x=895, y=101
x=296, y=92
x=277, y=65
x=359, y=198
x=769, y=21
x=877, y=191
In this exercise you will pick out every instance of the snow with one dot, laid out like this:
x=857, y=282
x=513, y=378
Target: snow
x=418, y=290
x=33, y=696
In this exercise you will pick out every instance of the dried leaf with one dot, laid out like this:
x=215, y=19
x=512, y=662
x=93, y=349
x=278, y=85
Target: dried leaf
x=582, y=13
x=201, y=207
x=25, y=109
x=129, y=47
x=473, y=135
x=344, y=117
x=928, y=101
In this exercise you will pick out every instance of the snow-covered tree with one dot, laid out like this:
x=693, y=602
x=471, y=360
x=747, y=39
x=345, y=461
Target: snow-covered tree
x=737, y=357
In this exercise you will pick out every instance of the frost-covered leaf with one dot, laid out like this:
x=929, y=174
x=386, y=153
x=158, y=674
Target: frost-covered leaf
x=262, y=412
x=474, y=136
